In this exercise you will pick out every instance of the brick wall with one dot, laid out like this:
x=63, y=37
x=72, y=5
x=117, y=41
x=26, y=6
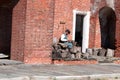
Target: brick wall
x=95, y=38
x=117, y=10
x=18, y=30
x=37, y=22
x=63, y=14
x=38, y=31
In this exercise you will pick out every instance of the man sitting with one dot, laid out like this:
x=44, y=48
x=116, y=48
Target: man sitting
x=64, y=39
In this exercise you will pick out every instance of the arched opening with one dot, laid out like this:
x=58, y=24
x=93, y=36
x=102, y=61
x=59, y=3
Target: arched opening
x=107, y=20
x=6, y=8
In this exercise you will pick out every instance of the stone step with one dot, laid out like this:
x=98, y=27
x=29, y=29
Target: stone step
x=3, y=55
x=9, y=62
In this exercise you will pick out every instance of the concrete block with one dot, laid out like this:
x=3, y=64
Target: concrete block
x=102, y=52
x=64, y=54
x=78, y=49
x=73, y=49
x=96, y=51
x=78, y=55
x=110, y=53
x=89, y=51
x=72, y=56
x=85, y=55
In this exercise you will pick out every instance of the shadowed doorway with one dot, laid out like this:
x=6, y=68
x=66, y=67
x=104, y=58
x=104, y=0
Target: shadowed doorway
x=79, y=29
x=6, y=8
x=107, y=20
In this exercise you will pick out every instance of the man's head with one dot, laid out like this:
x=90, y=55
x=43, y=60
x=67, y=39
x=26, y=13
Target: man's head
x=67, y=31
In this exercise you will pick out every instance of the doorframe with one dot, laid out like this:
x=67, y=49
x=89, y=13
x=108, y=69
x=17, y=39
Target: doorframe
x=86, y=26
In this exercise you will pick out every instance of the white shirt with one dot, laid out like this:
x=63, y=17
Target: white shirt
x=64, y=37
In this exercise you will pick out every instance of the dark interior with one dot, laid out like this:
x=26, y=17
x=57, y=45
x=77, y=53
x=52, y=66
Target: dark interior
x=79, y=29
x=6, y=8
x=107, y=19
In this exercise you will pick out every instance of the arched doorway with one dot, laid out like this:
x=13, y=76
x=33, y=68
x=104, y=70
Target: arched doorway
x=6, y=8
x=107, y=20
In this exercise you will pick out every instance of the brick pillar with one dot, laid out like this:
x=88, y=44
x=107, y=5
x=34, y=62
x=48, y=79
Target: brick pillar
x=92, y=31
x=32, y=31
x=97, y=33
x=39, y=31
x=18, y=30
x=117, y=11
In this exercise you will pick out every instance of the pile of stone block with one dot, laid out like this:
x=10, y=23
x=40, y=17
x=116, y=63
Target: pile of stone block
x=100, y=54
x=60, y=50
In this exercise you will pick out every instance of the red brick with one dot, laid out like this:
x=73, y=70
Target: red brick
x=117, y=9
x=117, y=62
x=62, y=62
x=64, y=13
x=36, y=22
x=18, y=31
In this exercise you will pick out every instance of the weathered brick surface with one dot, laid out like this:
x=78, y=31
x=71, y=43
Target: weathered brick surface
x=64, y=13
x=39, y=30
x=95, y=37
x=75, y=62
x=18, y=31
x=37, y=60
x=117, y=10
x=35, y=23
x=94, y=28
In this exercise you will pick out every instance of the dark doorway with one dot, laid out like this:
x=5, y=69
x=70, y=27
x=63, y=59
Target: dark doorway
x=79, y=29
x=6, y=8
x=5, y=30
x=107, y=19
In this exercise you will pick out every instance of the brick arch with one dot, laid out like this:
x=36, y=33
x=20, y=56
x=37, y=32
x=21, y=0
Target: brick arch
x=107, y=18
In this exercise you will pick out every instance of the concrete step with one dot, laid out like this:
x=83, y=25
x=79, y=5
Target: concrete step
x=9, y=62
x=3, y=56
